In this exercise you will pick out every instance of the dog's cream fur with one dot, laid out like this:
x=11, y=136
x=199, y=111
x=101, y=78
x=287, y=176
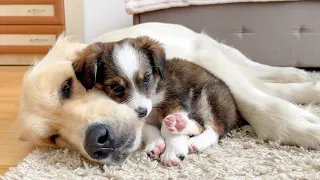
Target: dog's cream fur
x=271, y=117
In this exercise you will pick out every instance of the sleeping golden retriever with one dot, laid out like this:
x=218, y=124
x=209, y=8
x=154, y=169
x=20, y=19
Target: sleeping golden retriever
x=57, y=111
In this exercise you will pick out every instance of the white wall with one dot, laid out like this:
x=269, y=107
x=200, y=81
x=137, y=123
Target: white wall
x=101, y=16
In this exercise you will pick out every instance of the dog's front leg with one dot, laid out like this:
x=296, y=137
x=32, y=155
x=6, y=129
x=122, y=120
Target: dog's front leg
x=176, y=148
x=155, y=144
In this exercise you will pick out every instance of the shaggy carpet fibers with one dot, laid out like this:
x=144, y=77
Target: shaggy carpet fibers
x=239, y=156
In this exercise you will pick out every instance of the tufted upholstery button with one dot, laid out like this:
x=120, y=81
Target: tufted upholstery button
x=302, y=29
x=297, y=33
x=243, y=30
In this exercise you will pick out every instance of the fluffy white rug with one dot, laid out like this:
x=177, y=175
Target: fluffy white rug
x=239, y=156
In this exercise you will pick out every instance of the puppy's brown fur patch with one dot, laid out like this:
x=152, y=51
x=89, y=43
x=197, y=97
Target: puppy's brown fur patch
x=191, y=88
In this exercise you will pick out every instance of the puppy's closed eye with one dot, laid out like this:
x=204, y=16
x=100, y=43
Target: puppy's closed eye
x=146, y=80
x=117, y=89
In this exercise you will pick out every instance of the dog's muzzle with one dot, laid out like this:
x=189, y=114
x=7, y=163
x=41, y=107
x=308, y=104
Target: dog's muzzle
x=103, y=144
x=99, y=141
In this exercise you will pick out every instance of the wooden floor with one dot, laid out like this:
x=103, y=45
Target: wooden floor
x=12, y=150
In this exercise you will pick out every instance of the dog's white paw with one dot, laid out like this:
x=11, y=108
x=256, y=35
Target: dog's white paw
x=175, y=123
x=171, y=159
x=173, y=156
x=307, y=136
x=176, y=148
x=299, y=130
x=179, y=123
x=155, y=148
x=203, y=141
x=197, y=144
x=315, y=131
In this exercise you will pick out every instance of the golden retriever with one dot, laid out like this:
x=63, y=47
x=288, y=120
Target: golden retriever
x=57, y=111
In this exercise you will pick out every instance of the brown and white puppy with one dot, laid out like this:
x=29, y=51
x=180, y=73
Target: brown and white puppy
x=114, y=68
x=184, y=97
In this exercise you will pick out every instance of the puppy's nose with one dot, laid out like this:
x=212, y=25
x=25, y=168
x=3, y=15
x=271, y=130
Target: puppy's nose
x=142, y=112
x=99, y=140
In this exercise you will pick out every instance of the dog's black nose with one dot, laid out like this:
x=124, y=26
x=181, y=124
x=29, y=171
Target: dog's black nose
x=99, y=139
x=142, y=112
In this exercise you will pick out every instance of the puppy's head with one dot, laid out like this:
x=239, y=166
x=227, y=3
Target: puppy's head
x=128, y=70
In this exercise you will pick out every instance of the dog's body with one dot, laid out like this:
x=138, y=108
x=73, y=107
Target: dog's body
x=49, y=110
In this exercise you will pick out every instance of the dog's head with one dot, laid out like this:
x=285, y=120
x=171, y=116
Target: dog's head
x=127, y=70
x=57, y=111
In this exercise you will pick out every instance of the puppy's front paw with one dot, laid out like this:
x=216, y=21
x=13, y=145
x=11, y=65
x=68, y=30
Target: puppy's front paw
x=175, y=123
x=170, y=158
x=202, y=141
x=195, y=145
x=155, y=148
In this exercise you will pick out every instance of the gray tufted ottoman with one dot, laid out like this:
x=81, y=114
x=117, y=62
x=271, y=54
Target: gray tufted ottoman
x=273, y=33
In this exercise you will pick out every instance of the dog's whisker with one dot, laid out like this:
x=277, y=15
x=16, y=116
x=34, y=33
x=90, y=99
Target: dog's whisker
x=155, y=66
x=109, y=94
x=127, y=101
x=112, y=90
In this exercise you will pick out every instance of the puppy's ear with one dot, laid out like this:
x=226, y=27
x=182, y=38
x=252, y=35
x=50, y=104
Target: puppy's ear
x=155, y=52
x=87, y=63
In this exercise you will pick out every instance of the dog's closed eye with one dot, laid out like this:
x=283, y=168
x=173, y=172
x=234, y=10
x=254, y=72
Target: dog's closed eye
x=66, y=89
x=53, y=138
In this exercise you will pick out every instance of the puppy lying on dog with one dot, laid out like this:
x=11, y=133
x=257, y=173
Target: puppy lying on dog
x=181, y=98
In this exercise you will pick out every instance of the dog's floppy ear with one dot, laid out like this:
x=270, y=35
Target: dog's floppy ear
x=87, y=63
x=155, y=52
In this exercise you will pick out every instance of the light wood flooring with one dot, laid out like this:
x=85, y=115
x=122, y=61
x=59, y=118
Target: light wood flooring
x=12, y=150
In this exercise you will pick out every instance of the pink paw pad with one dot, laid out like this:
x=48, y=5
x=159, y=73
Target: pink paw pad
x=174, y=163
x=162, y=147
x=157, y=151
x=175, y=122
x=193, y=149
